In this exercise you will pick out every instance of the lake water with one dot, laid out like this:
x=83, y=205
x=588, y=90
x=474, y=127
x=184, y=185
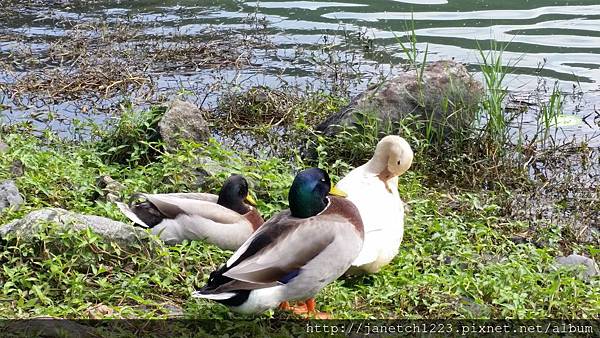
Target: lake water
x=544, y=41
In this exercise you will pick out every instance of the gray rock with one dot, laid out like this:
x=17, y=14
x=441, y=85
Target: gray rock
x=3, y=147
x=573, y=261
x=10, y=196
x=183, y=120
x=49, y=327
x=445, y=91
x=473, y=309
x=173, y=310
x=107, y=228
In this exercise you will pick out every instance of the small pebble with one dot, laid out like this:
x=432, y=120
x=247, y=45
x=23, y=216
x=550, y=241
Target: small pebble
x=17, y=169
x=10, y=196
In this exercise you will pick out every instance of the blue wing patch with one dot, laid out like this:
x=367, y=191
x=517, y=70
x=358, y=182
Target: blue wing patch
x=289, y=276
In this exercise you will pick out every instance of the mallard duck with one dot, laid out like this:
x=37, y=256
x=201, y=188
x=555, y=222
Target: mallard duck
x=373, y=188
x=294, y=254
x=226, y=220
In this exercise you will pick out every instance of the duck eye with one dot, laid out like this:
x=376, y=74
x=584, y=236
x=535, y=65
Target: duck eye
x=398, y=162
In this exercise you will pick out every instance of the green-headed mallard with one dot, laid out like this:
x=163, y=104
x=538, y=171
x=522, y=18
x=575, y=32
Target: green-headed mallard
x=373, y=188
x=226, y=220
x=293, y=255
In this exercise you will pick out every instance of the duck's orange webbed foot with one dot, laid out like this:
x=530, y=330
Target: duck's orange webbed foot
x=299, y=308
x=305, y=309
x=311, y=310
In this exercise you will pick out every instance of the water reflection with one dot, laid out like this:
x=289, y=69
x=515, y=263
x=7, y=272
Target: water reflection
x=544, y=40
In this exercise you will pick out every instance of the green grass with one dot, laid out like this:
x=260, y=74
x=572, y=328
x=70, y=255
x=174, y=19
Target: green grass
x=409, y=47
x=549, y=112
x=494, y=72
x=457, y=259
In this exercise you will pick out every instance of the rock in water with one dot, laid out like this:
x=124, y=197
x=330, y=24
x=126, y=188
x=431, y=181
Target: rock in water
x=10, y=196
x=109, y=229
x=183, y=120
x=591, y=268
x=445, y=92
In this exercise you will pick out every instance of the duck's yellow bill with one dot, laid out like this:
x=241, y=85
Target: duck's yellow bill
x=250, y=199
x=337, y=192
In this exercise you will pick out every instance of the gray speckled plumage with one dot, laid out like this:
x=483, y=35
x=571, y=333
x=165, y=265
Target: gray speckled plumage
x=316, y=250
x=195, y=216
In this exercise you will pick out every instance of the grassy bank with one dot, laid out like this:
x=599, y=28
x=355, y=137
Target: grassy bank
x=482, y=232
x=463, y=255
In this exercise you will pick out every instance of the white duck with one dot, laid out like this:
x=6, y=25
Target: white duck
x=373, y=188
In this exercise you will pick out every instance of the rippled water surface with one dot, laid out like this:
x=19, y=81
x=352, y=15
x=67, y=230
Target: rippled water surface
x=544, y=40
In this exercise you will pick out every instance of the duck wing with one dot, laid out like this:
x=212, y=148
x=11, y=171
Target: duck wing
x=279, y=250
x=194, y=196
x=172, y=206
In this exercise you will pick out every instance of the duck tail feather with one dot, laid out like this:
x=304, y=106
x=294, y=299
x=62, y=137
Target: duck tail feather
x=213, y=296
